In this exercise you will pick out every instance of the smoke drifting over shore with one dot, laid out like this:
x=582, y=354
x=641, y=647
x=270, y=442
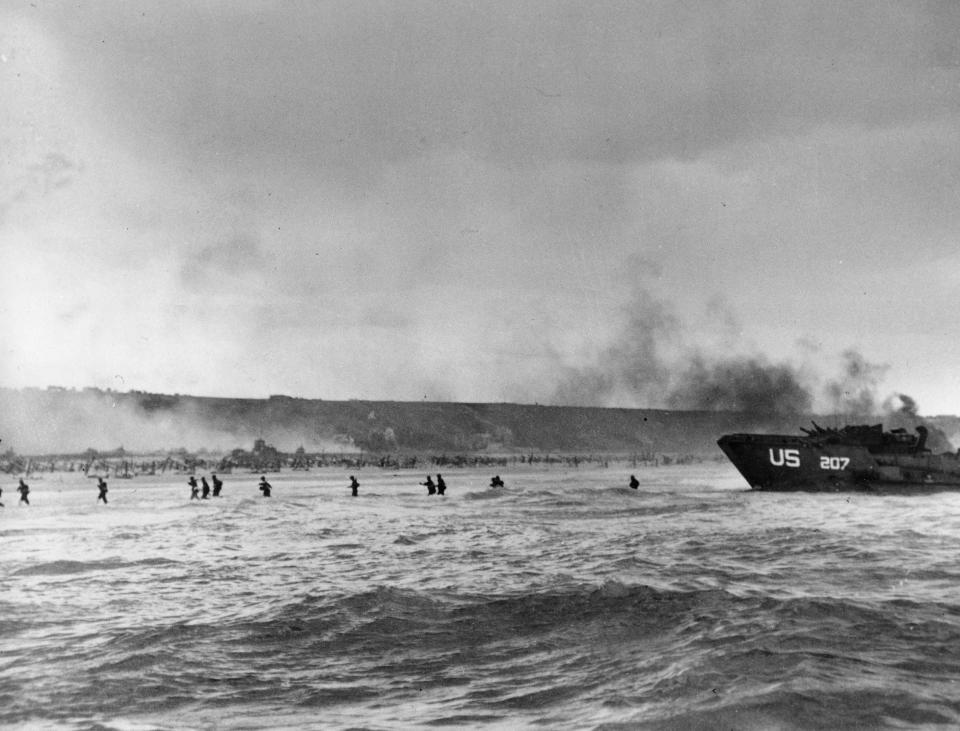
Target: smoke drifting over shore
x=906, y=405
x=650, y=365
x=749, y=385
x=631, y=371
x=35, y=421
x=854, y=391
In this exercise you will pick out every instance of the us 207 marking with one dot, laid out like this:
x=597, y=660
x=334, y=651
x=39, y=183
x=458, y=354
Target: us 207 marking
x=834, y=463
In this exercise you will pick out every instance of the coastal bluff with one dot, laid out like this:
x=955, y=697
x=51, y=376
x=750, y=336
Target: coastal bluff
x=58, y=420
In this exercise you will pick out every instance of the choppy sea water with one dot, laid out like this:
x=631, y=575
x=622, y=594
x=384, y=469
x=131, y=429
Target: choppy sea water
x=564, y=600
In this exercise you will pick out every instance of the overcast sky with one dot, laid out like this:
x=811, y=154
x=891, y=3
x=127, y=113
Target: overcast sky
x=473, y=200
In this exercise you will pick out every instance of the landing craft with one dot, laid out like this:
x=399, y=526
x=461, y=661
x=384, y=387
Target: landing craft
x=852, y=458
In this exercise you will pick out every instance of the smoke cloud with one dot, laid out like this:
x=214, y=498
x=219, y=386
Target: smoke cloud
x=34, y=421
x=900, y=404
x=854, y=391
x=750, y=385
x=631, y=371
x=650, y=365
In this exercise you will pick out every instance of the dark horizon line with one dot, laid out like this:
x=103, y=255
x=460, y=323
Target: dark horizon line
x=287, y=397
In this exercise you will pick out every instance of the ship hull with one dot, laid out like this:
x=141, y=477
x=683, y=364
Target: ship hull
x=791, y=463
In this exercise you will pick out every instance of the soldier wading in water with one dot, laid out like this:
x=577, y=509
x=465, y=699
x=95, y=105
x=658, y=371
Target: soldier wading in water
x=264, y=486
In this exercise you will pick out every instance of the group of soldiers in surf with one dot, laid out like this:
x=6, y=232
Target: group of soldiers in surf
x=195, y=489
x=24, y=489
x=433, y=488
x=440, y=488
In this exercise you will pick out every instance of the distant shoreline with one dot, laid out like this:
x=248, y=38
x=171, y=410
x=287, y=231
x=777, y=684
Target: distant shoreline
x=64, y=422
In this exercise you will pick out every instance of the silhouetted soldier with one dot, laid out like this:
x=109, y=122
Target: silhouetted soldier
x=102, y=485
x=206, y=488
x=634, y=482
x=496, y=481
x=194, y=490
x=354, y=485
x=431, y=490
x=441, y=485
x=24, y=489
x=217, y=485
x=264, y=486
